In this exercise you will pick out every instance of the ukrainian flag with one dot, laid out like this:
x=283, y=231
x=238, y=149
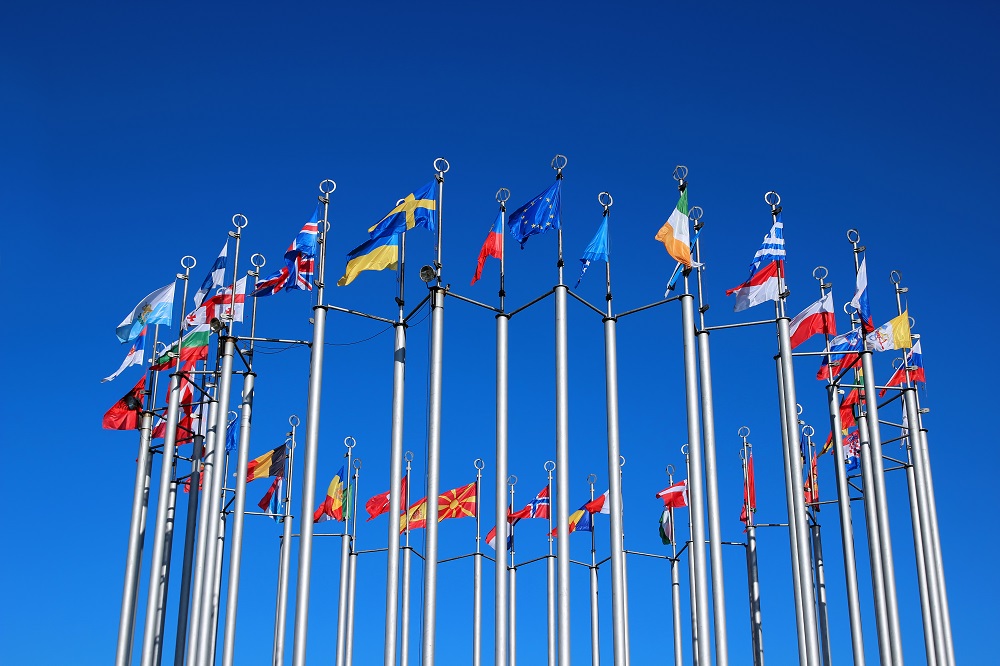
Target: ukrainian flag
x=372, y=255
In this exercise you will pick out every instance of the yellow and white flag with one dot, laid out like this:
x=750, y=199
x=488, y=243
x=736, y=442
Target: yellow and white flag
x=894, y=334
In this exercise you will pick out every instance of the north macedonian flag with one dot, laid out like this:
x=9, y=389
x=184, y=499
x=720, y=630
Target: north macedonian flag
x=458, y=503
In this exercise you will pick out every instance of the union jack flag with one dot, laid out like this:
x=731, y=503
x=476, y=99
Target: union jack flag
x=300, y=262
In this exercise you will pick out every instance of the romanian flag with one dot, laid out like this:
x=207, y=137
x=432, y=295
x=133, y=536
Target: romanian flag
x=458, y=503
x=415, y=517
x=271, y=463
x=583, y=518
x=372, y=255
x=333, y=507
x=675, y=234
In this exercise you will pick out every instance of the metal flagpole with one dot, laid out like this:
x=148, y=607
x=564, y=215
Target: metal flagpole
x=433, y=431
x=404, y=631
x=795, y=498
x=818, y=564
x=696, y=636
x=345, y=561
x=843, y=497
x=477, y=575
x=285, y=552
x=595, y=630
x=628, y=649
x=512, y=608
x=500, y=479
x=326, y=188
x=352, y=587
x=711, y=467
x=618, y=611
x=168, y=540
x=562, y=445
x=879, y=495
x=395, y=466
x=753, y=581
x=550, y=578
x=190, y=536
x=675, y=582
x=149, y=636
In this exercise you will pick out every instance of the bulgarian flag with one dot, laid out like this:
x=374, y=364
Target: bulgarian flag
x=194, y=347
x=675, y=234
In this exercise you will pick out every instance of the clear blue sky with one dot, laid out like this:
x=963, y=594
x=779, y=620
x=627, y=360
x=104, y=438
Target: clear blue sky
x=132, y=135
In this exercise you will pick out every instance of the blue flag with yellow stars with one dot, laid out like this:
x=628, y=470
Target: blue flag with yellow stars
x=537, y=216
x=415, y=210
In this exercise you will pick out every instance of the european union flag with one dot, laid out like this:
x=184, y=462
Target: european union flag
x=415, y=210
x=537, y=216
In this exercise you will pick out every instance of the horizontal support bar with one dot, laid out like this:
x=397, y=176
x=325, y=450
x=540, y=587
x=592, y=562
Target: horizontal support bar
x=472, y=302
x=525, y=307
x=647, y=307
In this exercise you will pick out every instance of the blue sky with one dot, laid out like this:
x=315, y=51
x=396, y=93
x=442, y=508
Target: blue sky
x=133, y=134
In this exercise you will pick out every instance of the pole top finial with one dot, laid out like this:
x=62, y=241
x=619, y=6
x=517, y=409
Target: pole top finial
x=257, y=260
x=293, y=421
x=743, y=432
x=808, y=431
x=605, y=199
x=670, y=470
x=549, y=466
x=591, y=479
x=853, y=236
x=357, y=463
x=820, y=273
x=895, y=277
x=479, y=464
x=772, y=199
x=188, y=262
x=441, y=165
x=559, y=163
x=408, y=456
x=695, y=213
x=240, y=221
x=512, y=480
x=680, y=173
x=503, y=195
x=350, y=442
x=684, y=449
x=621, y=461
x=327, y=186
x=232, y=414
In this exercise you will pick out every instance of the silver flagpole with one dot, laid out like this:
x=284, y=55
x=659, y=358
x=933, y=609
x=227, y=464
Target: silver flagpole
x=843, y=498
x=404, y=631
x=326, y=188
x=696, y=636
x=434, y=431
x=352, y=587
x=562, y=445
x=345, y=562
x=149, y=636
x=595, y=628
x=500, y=479
x=753, y=581
x=618, y=610
x=817, y=555
x=161, y=612
x=136, y=537
x=285, y=553
x=796, y=500
x=190, y=536
x=512, y=608
x=628, y=649
x=878, y=473
x=395, y=467
x=477, y=576
x=711, y=467
x=550, y=579
x=675, y=582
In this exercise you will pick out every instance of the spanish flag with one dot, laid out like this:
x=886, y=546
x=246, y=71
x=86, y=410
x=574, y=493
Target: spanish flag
x=334, y=506
x=415, y=517
x=372, y=255
x=271, y=463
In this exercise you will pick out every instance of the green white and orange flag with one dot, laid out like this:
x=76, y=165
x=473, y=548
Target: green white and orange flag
x=675, y=234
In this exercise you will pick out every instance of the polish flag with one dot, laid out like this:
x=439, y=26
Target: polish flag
x=817, y=318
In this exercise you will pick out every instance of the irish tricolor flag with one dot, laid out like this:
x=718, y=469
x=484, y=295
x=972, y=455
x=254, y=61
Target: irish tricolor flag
x=675, y=233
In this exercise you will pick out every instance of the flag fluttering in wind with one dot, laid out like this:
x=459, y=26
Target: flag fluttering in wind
x=666, y=528
x=912, y=361
x=415, y=210
x=815, y=319
x=215, y=278
x=860, y=300
x=492, y=247
x=839, y=360
x=300, y=262
x=847, y=418
x=894, y=334
x=491, y=536
x=194, y=347
x=271, y=463
x=335, y=506
x=379, y=504
x=538, y=215
x=415, y=516
x=597, y=250
x=374, y=254
x=135, y=355
x=458, y=503
x=157, y=308
x=852, y=451
x=536, y=508
x=271, y=501
x=675, y=495
x=582, y=520
x=812, y=485
x=675, y=234
x=221, y=306
x=124, y=414
x=749, y=494
x=767, y=265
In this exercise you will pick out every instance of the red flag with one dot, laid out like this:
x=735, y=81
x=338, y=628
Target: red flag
x=749, y=494
x=674, y=496
x=817, y=318
x=124, y=414
x=812, y=485
x=491, y=248
x=379, y=504
x=266, y=499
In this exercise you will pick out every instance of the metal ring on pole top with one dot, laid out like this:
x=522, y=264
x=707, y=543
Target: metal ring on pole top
x=621, y=461
x=849, y=309
x=808, y=430
x=233, y=414
x=408, y=456
x=601, y=200
x=503, y=195
x=549, y=466
x=512, y=480
x=160, y=348
x=479, y=464
x=559, y=162
x=680, y=173
x=294, y=421
x=240, y=217
x=820, y=273
x=743, y=432
x=357, y=463
x=772, y=199
x=441, y=165
x=327, y=186
x=188, y=259
x=670, y=470
x=695, y=213
x=353, y=442
x=684, y=449
x=591, y=479
x=853, y=236
x=912, y=323
x=897, y=363
x=257, y=260
x=895, y=277
x=798, y=409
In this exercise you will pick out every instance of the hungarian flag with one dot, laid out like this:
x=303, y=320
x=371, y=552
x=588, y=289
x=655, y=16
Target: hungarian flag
x=458, y=503
x=675, y=234
x=674, y=496
x=415, y=517
x=221, y=306
x=334, y=507
x=860, y=300
x=379, y=504
x=194, y=347
x=912, y=361
x=492, y=247
x=812, y=485
x=271, y=463
x=749, y=494
x=767, y=266
x=894, y=334
x=124, y=414
x=817, y=318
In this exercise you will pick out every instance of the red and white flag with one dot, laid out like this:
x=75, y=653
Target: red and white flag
x=761, y=287
x=220, y=306
x=817, y=318
x=674, y=496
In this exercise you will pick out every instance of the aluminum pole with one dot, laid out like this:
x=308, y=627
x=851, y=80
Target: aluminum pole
x=595, y=631
x=753, y=580
x=927, y=608
x=477, y=575
x=696, y=637
x=300, y=634
x=220, y=553
x=675, y=582
x=874, y=539
x=136, y=538
x=503, y=527
x=285, y=553
x=615, y=493
x=161, y=606
x=190, y=536
x=404, y=631
x=550, y=583
x=512, y=608
x=824, y=618
x=345, y=563
x=353, y=572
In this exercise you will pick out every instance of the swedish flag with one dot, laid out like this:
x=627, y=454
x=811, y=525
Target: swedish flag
x=415, y=210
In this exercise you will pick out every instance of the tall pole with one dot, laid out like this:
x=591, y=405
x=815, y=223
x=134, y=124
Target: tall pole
x=285, y=553
x=550, y=580
x=595, y=627
x=477, y=575
x=753, y=580
x=136, y=537
x=818, y=563
x=795, y=498
x=404, y=631
x=190, y=536
x=512, y=608
x=345, y=562
x=675, y=582
x=878, y=486
x=301, y=630
x=161, y=613
x=500, y=478
x=711, y=466
x=928, y=608
x=843, y=499
x=434, y=435
x=696, y=636
x=628, y=649
x=353, y=572
x=150, y=636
